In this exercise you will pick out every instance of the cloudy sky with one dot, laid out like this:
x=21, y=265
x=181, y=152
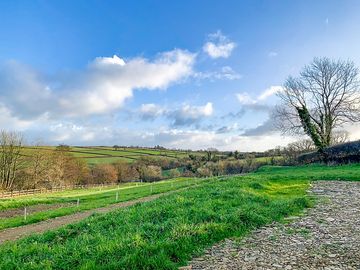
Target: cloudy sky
x=182, y=74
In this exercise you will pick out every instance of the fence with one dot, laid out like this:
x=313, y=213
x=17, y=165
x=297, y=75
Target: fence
x=17, y=193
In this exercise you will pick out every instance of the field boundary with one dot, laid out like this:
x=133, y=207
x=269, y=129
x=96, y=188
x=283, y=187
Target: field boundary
x=24, y=192
x=11, y=234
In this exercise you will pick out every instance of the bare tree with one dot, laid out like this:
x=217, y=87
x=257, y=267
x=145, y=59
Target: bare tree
x=339, y=137
x=10, y=157
x=302, y=146
x=325, y=96
x=39, y=164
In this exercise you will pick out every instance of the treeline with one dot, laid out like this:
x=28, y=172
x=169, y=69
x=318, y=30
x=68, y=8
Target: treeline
x=22, y=168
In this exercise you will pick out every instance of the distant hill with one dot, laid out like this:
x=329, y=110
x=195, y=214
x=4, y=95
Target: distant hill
x=106, y=154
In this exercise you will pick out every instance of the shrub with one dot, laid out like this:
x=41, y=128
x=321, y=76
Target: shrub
x=125, y=172
x=149, y=173
x=103, y=173
x=173, y=173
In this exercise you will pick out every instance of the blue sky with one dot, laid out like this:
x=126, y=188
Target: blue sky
x=183, y=74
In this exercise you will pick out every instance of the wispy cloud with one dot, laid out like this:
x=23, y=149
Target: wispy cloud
x=246, y=99
x=272, y=54
x=225, y=73
x=218, y=45
x=101, y=87
x=272, y=90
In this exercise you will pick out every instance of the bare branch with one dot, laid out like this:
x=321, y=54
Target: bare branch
x=328, y=90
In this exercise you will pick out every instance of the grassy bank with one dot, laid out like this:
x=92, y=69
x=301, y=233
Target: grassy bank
x=349, y=172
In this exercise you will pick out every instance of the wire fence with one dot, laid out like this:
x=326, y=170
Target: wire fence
x=17, y=193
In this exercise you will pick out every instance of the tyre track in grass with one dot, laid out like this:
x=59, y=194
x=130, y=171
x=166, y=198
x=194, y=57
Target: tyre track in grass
x=15, y=233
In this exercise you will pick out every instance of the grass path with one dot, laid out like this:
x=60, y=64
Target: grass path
x=50, y=224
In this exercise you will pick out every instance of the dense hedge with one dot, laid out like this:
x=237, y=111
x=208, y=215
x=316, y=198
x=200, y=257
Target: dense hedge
x=341, y=153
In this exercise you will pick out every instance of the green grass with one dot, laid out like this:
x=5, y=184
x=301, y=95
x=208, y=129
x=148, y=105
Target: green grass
x=167, y=232
x=312, y=172
x=162, y=234
x=89, y=199
x=105, y=155
x=107, y=160
x=59, y=196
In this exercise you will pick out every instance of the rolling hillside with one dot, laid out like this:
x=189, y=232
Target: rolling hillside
x=105, y=154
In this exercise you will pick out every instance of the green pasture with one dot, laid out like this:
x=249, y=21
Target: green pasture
x=168, y=232
x=89, y=199
x=105, y=155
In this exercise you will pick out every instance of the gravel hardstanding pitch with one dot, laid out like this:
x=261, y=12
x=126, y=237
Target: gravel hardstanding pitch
x=327, y=237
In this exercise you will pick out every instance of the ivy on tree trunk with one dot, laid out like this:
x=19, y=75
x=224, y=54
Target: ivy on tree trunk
x=310, y=128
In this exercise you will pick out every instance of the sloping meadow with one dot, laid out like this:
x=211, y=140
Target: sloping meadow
x=167, y=232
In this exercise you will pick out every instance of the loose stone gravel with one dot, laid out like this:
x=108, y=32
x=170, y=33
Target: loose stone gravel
x=326, y=237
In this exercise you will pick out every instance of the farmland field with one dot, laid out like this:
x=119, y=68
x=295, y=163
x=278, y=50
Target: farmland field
x=168, y=232
x=105, y=154
x=102, y=154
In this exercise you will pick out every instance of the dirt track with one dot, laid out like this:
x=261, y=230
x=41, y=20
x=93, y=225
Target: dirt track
x=19, y=232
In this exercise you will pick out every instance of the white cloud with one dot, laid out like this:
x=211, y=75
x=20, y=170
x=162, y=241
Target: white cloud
x=115, y=60
x=225, y=73
x=150, y=111
x=218, y=46
x=188, y=115
x=109, y=84
x=102, y=87
x=185, y=115
x=10, y=122
x=272, y=90
x=204, y=139
x=246, y=99
x=68, y=131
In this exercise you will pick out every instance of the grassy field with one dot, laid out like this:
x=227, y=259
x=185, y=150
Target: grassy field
x=89, y=199
x=167, y=232
x=101, y=154
x=105, y=154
